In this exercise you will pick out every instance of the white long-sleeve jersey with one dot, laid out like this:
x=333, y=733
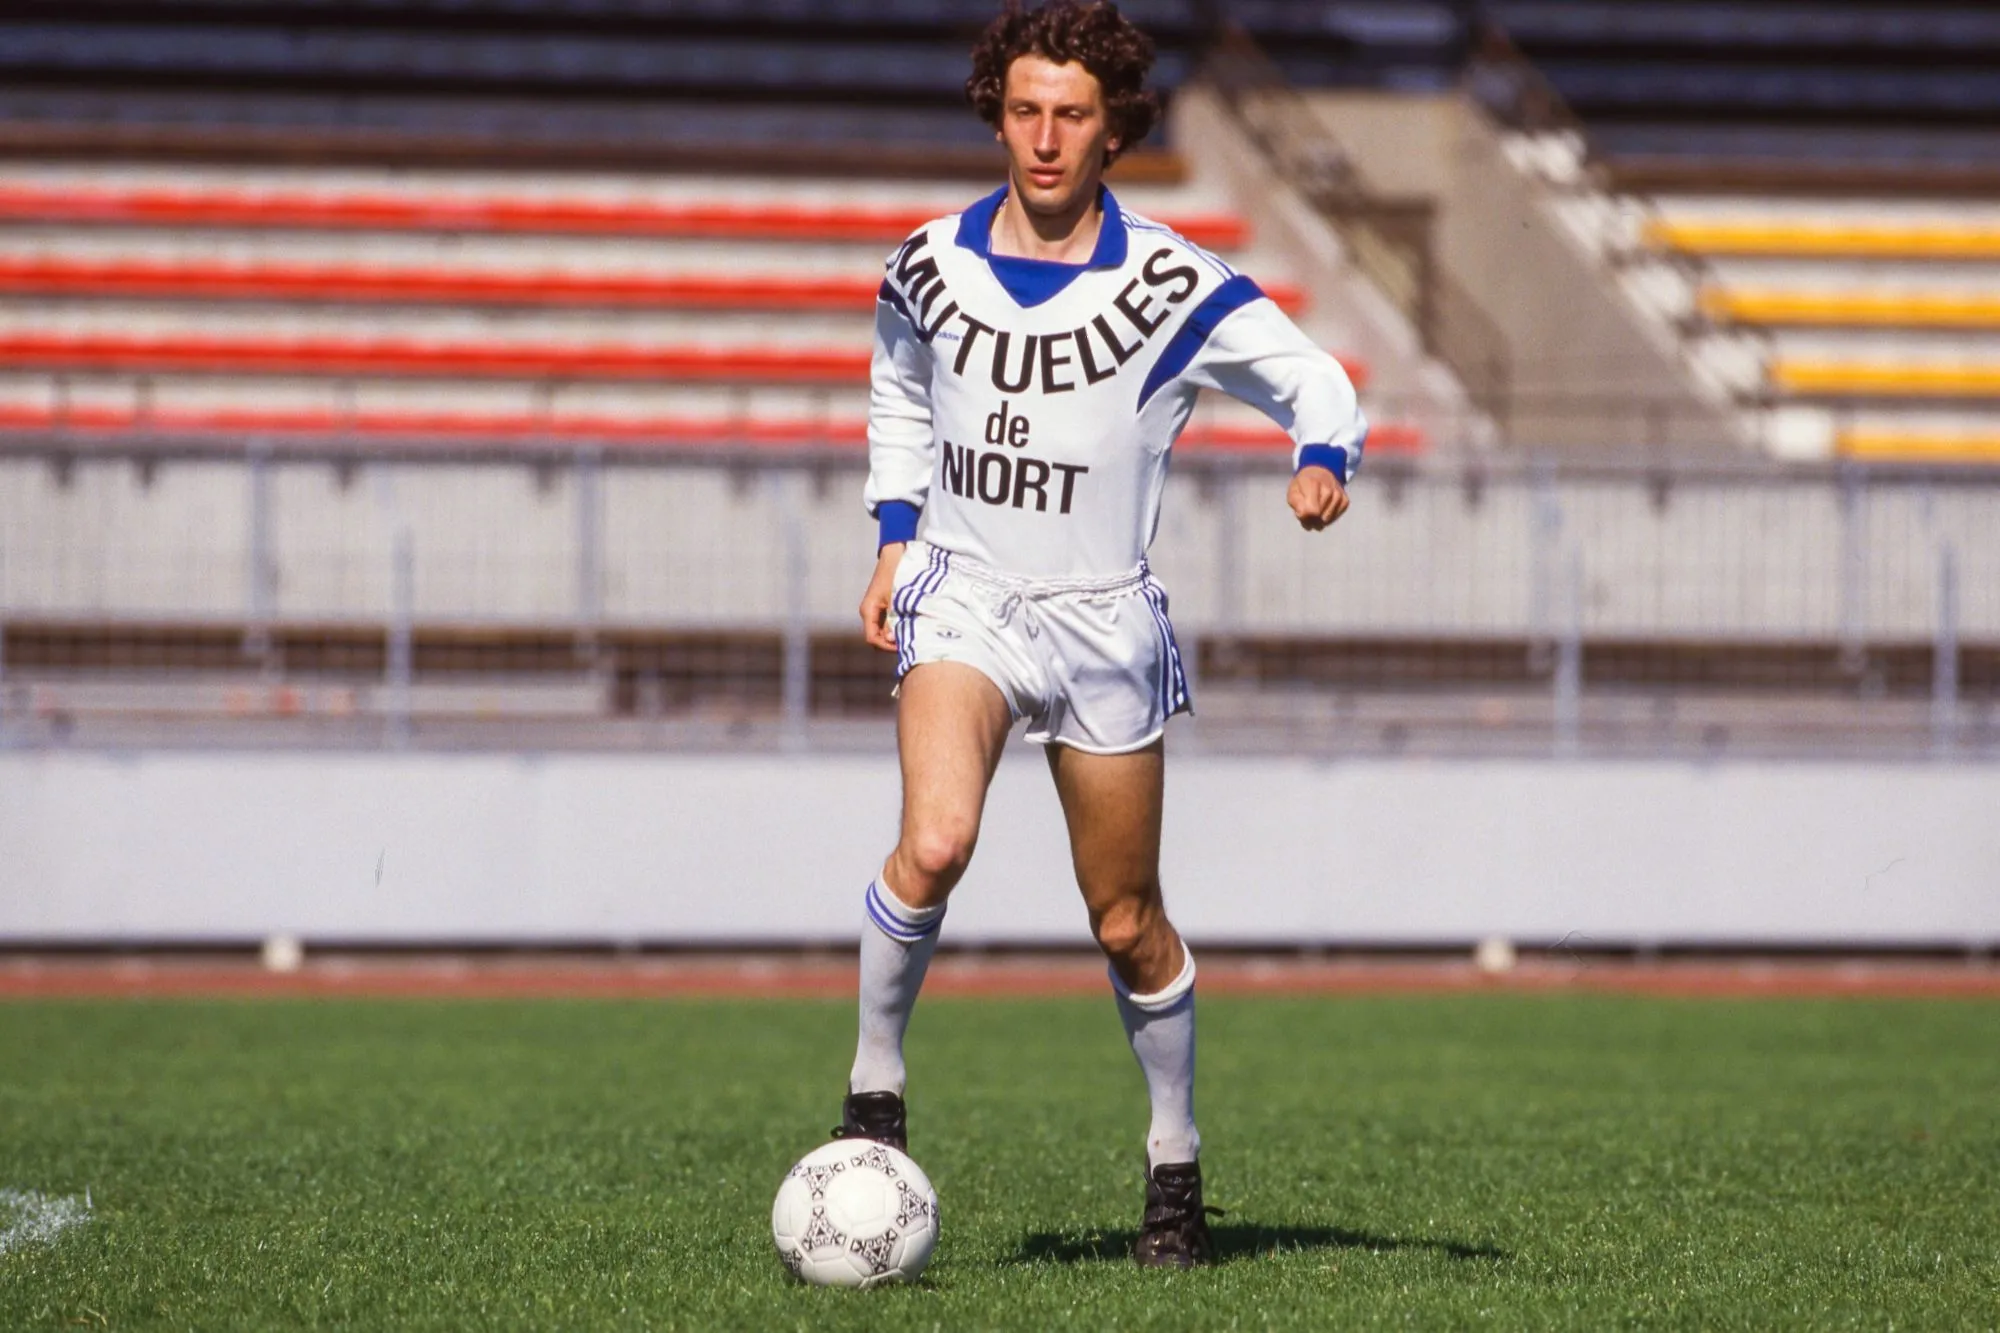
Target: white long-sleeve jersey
x=1027, y=409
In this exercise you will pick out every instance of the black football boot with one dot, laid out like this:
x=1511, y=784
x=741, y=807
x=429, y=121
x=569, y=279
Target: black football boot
x=1174, y=1233
x=875, y=1115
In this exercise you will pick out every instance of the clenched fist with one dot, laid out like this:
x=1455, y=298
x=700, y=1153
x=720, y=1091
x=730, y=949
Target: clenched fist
x=1316, y=497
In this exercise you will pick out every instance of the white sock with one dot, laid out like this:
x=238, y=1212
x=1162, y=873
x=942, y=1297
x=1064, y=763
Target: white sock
x=897, y=941
x=1160, y=1027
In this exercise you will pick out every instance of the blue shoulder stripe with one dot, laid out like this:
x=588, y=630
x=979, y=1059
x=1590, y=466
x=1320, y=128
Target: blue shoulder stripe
x=1195, y=331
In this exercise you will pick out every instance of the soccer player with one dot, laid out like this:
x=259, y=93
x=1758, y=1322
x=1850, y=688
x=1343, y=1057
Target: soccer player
x=1035, y=357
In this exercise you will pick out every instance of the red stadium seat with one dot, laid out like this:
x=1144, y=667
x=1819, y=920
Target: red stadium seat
x=341, y=283
x=350, y=211
x=319, y=357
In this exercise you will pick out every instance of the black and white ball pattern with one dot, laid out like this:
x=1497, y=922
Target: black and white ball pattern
x=855, y=1214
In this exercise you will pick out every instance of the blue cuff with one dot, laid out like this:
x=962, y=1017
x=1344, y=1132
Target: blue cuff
x=1333, y=459
x=899, y=522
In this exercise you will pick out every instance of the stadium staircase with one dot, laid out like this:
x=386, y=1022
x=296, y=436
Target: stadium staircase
x=1806, y=198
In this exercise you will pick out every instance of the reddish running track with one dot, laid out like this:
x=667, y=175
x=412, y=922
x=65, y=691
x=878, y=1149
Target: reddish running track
x=795, y=976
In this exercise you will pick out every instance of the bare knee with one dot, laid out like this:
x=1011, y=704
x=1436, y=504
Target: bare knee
x=1128, y=926
x=943, y=852
x=932, y=857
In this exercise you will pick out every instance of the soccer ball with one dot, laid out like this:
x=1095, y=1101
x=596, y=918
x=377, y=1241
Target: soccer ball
x=855, y=1214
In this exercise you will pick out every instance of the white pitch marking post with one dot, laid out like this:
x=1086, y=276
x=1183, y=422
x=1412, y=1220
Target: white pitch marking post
x=283, y=953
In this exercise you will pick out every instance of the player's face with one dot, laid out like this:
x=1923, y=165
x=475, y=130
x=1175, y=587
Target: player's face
x=1056, y=129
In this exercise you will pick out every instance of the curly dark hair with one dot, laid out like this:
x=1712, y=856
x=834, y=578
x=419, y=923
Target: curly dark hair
x=1090, y=32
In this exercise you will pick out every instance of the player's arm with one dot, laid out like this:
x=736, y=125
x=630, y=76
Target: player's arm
x=900, y=449
x=1256, y=354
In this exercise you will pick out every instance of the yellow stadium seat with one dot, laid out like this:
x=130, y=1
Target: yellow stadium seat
x=1858, y=240
x=1885, y=379
x=1888, y=444
x=1767, y=305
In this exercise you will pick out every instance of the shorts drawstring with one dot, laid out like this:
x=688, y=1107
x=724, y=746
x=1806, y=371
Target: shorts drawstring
x=1031, y=588
x=1016, y=600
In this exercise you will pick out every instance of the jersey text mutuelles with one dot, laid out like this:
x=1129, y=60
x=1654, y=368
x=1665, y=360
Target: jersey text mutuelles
x=1027, y=409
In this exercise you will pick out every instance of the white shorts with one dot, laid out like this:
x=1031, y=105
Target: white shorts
x=1090, y=664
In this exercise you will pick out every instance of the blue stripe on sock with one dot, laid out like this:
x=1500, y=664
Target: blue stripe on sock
x=894, y=930
x=893, y=926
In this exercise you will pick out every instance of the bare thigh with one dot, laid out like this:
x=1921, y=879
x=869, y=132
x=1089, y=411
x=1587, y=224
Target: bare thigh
x=951, y=726
x=1112, y=804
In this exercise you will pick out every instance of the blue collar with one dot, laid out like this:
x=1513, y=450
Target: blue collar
x=1033, y=281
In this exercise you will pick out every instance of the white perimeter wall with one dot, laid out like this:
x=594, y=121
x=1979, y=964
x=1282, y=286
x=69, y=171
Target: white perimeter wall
x=165, y=846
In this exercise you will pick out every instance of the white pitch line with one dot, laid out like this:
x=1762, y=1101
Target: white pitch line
x=37, y=1219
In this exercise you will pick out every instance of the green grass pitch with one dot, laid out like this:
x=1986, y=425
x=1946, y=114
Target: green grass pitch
x=1496, y=1160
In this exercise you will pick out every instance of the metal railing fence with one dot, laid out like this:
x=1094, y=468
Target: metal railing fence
x=1522, y=572
x=1439, y=549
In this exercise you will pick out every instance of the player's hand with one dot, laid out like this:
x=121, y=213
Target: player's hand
x=875, y=602
x=1316, y=497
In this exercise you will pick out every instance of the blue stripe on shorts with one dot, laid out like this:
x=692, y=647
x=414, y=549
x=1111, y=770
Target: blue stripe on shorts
x=906, y=603
x=1173, y=677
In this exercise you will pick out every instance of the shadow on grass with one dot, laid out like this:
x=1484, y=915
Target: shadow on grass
x=1236, y=1241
